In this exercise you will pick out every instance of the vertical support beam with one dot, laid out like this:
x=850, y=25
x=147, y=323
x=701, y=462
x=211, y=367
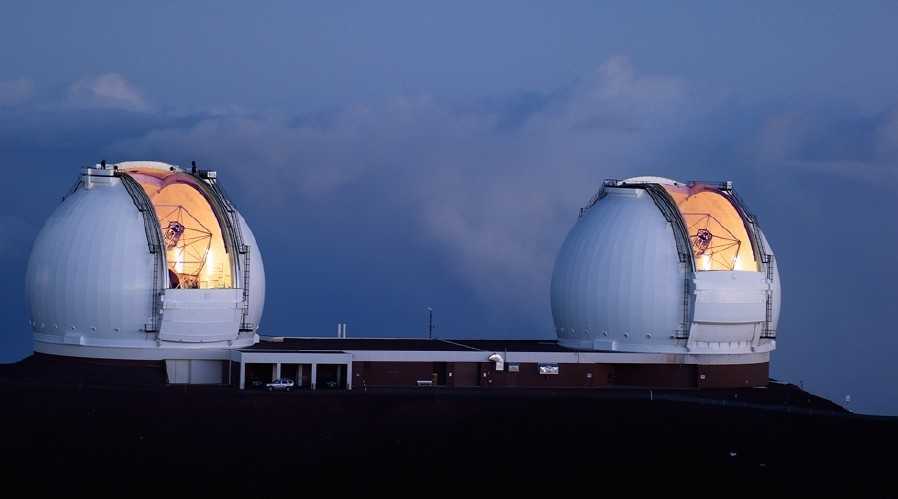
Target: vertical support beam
x=299, y=375
x=277, y=370
x=314, y=376
x=349, y=375
x=242, y=373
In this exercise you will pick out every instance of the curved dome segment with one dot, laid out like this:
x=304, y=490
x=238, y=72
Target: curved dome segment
x=617, y=278
x=656, y=265
x=89, y=273
x=717, y=232
x=144, y=260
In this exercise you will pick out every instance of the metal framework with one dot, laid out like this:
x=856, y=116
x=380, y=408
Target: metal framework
x=154, y=242
x=717, y=244
x=190, y=240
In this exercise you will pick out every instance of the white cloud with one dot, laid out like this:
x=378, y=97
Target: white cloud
x=495, y=202
x=13, y=92
x=846, y=145
x=106, y=91
x=887, y=138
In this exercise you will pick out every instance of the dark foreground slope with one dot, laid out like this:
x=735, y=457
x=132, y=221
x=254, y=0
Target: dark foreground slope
x=150, y=434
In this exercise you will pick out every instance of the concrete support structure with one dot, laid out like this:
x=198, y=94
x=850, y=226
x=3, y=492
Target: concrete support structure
x=349, y=376
x=276, y=359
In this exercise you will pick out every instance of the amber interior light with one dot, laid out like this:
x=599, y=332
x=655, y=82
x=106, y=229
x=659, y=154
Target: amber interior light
x=719, y=238
x=194, y=244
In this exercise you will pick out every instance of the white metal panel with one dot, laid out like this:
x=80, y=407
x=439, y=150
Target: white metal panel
x=195, y=371
x=730, y=297
x=177, y=371
x=90, y=271
x=618, y=276
x=199, y=315
x=207, y=372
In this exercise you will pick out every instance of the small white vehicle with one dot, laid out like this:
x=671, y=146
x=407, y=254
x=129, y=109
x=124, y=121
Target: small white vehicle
x=280, y=384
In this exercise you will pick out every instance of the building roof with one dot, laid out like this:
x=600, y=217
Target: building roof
x=403, y=344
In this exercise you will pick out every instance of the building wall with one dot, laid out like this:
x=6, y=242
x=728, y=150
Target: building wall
x=391, y=373
x=528, y=376
x=733, y=376
x=485, y=375
x=465, y=374
x=654, y=375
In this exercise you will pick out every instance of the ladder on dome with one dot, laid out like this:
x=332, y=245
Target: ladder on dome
x=154, y=242
x=769, y=332
x=153, y=325
x=671, y=213
x=244, y=324
x=232, y=224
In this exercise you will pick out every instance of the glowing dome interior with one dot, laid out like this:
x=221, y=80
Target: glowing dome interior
x=194, y=243
x=716, y=230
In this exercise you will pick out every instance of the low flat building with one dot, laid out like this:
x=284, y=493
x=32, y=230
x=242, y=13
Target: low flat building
x=347, y=363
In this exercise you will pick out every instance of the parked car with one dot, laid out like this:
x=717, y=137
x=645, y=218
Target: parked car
x=280, y=384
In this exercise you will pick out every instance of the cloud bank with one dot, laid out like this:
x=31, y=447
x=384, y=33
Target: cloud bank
x=495, y=199
x=14, y=92
x=369, y=212
x=106, y=91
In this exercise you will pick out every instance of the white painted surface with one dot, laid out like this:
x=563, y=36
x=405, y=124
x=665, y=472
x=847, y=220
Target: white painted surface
x=195, y=372
x=141, y=349
x=200, y=315
x=618, y=276
x=618, y=285
x=89, y=283
x=90, y=272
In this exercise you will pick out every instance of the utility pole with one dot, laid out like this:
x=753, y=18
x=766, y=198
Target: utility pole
x=429, y=323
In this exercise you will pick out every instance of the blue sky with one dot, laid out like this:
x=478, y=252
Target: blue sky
x=397, y=155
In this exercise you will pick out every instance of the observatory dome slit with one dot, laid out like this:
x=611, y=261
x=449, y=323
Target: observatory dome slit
x=195, y=249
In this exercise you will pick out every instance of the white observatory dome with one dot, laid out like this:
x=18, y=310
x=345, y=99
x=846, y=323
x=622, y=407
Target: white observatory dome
x=142, y=259
x=654, y=265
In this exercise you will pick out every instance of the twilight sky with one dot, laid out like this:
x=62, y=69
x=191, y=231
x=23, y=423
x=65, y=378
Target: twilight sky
x=396, y=155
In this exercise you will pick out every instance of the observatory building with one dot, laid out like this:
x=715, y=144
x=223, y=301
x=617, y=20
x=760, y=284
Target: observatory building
x=655, y=265
x=146, y=261
x=658, y=284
